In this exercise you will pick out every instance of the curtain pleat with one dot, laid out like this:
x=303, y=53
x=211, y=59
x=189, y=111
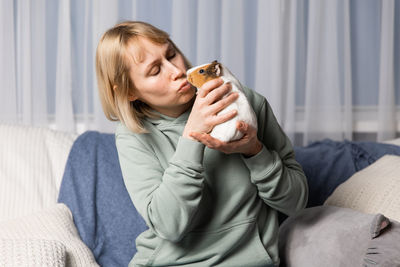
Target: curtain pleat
x=38, y=64
x=232, y=37
x=183, y=22
x=24, y=59
x=270, y=58
x=293, y=70
x=208, y=41
x=8, y=99
x=134, y=10
x=323, y=117
x=64, y=117
x=86, y=85
x=387, y=104
x=347, y=74
x=105, y=15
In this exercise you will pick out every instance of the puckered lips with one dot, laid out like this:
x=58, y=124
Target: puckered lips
x=185, y=86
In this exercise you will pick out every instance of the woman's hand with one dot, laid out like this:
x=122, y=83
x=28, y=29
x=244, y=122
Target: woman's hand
x=248, y=145
x=209, y=101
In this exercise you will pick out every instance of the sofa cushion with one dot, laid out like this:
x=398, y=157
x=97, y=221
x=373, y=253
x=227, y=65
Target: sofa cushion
x=46, y=233
x=335, y=236
x=32, y=161
x=374, y=189
x=327, y=164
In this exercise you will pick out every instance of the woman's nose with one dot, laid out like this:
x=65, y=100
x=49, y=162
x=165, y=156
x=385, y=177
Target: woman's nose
x=176, y=72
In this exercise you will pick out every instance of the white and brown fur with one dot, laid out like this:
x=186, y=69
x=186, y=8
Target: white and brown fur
x=226, y=131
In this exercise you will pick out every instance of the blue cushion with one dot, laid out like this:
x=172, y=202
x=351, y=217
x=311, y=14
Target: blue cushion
x=329, y=163
x=93, y=189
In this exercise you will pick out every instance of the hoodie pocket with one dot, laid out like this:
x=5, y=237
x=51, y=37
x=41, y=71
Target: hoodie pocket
x=235, y=245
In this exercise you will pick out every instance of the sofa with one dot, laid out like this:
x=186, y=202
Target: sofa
x=63, y=202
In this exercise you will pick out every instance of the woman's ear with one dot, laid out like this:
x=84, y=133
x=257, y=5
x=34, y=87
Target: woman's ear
x=132, y=98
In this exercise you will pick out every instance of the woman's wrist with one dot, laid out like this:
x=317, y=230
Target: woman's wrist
x=257, y=148
x=186, y=134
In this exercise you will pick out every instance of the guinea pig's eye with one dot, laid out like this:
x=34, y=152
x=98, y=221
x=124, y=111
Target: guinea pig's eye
x=201, y=71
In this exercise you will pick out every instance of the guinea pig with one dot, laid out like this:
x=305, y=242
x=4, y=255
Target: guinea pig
x=226, y=131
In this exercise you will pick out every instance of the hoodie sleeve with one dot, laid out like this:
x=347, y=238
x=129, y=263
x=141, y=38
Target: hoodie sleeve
x=166, y=198
x=279, y=178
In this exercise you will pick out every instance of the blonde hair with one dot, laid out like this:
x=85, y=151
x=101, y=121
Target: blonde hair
x=114, y=82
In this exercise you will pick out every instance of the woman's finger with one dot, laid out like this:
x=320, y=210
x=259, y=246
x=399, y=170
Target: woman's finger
x=218, y=93
x=209, y=86
x=220, y=118
x=224, y=102
x=242, y=126
x=245, y=128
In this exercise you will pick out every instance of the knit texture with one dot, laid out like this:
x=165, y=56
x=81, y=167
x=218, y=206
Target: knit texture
x=42, y=236
x=374, y=189
x=32, y=252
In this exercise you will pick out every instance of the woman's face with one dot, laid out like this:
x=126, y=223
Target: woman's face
x=158, y=73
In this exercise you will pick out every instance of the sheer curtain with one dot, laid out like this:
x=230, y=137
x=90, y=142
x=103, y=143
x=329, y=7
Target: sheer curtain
x=328, y=68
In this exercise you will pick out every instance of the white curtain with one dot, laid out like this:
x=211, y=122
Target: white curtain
x=8, y=99
x=328, y=68
x=323, y=101
x=387, y=104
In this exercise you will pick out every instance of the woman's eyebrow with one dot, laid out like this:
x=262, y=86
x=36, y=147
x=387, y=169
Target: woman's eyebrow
x=170, y=47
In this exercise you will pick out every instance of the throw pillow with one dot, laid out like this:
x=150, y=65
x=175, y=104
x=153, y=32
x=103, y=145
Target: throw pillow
x=374, y=189
x=334, y=236
x=393, y=142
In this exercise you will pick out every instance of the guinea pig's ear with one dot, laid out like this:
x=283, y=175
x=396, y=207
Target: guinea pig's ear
x=217, y=69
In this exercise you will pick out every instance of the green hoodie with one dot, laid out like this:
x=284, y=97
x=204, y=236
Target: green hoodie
x=206, y=208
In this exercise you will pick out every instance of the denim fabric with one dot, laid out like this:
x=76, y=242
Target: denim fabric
x=329, y=163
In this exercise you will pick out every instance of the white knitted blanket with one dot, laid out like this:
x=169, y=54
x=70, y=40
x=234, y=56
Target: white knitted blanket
x=31, y=252
x=46, y=238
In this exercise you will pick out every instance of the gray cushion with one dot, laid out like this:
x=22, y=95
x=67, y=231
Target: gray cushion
x=334, y=236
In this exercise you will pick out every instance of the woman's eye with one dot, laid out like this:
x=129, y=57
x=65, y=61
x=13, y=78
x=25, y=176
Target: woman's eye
x=155, y=71
x=171, y=56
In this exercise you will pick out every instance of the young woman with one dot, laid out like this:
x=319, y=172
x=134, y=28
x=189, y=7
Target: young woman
x=206, y=202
